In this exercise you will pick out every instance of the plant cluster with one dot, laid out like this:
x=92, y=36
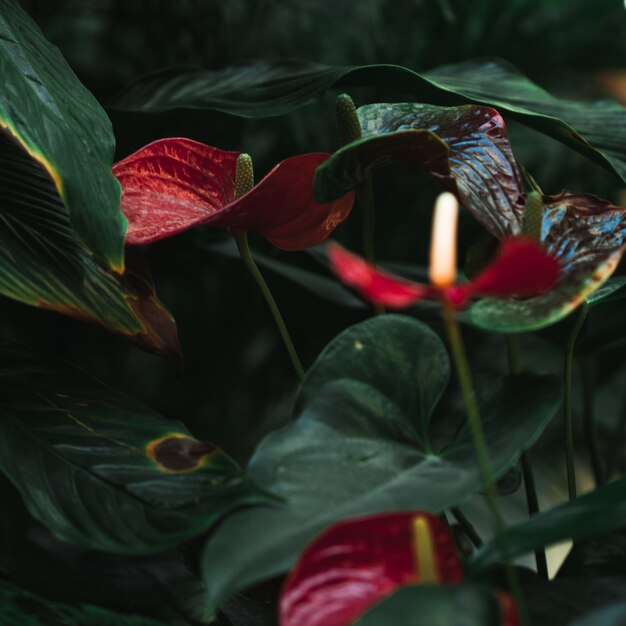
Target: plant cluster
x=361, y=509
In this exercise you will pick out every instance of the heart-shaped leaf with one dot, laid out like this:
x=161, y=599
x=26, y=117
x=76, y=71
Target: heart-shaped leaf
x=44, y=263
x=63, y=128
x=429, y=605
x=587, y=236
x=174, y=184
x=595, y=513
x=275, y=87
x=22, y=608
x=478, y=165
x=359, y=445
x=103, y=471
x=358, y=562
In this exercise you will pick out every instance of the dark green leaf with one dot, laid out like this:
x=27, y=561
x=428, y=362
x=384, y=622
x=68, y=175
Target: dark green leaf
x=611, y=291
x=44, y=263
x=265, y=88
x=435, y=605
x=103, y=471
x=21, y=608
x=595, y=513
x=63, y=128
x=612, y=615
x=360, y=445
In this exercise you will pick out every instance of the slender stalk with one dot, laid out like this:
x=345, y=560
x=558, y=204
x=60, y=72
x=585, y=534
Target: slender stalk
x=475, y=425
x=532, y=501
x=567, y=401
x=365, y=198
x=467, y=526
x=244, y=250
x=589, y=422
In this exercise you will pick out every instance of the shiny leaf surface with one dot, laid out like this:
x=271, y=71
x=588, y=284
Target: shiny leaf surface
x=586, y=235
x=174, y=184
x=43, y=262
x=356, y=563
x=359, y=445
x=103, y=471
x=478, y=165
x=275, y=87
x=45, y=108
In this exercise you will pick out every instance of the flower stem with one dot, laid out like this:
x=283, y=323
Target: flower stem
x=244, y=251
x=464, y=376
x=567, y=402
x=589, y=423
x=532, y=501
x=365, y=198
x=467, y=526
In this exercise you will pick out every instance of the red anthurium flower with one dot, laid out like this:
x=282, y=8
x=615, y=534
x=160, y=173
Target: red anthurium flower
x=522, y=268
x=357, y=563
x=174, y=184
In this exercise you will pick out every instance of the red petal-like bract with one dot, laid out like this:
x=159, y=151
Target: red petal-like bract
x=356, y=563
x=173, y=184
x=521, y=268
x=374, y=285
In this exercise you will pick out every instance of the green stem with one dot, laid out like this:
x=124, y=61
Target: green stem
x=467, y=526
x=530, y=488
x=589, y=422
x=464, y=376
x=365, y=198
x=567, y=401
x=244, y=250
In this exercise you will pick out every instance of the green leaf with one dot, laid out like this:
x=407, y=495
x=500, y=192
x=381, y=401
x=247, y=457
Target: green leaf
x=103, y=471
x=44, y=263
x=595, y=513
x=611, y=291
x=435, y=605
x=64, y=129
x=267, y=88
x=359, y=445
x=612, y=615
x=22, y=608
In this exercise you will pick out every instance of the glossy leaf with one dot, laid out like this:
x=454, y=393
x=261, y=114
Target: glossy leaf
x=43, y=262
x=429, y=605
x=174, y=184
x=478, y=165
x=22, y=608
x=586, y=235
x=356, y=563
x=275, y=87
x=595, y=513
x=49, y=113
x=359, y=445
x=103, y=471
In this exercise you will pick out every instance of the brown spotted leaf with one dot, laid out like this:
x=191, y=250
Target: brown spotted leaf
x=587, y=236
x=103, y=471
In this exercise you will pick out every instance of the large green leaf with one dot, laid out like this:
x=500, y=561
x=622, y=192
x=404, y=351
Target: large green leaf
x=612, y=615
x=62, y=127
x=435, y=605
x=22, y=608
x=595, y=513
x=266, y=88
x=360, y=445
x=44, y=263
x=103, y=471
